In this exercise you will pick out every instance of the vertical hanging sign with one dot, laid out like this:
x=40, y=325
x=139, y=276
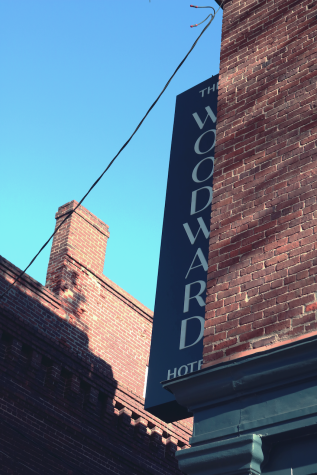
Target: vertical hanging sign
x=179, y=313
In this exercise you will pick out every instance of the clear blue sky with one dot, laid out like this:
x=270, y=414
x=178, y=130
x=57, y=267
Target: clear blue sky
x=76, y=78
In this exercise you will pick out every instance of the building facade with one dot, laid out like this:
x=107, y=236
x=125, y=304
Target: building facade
x=255, y=400
x=73, y=357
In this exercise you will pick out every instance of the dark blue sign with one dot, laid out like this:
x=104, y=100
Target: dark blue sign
x=179, y=313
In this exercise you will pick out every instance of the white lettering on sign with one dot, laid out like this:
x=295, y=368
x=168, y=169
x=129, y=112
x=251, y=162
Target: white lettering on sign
x=192, y=366
x=182, y=345
x=189, y=368
x=171, y=375
x=180, y=372
x=177, y=349
x=202, y=226
x=195, y=171
x=209, y=114
x=193, y=205
x=212, y=88
x=201, y=258
x=209, y=89
x=201, y=198
x=187, y=296
x=202, y=92
x=197, y=144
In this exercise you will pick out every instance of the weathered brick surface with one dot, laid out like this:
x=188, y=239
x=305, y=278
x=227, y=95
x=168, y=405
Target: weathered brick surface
x=262, y=257
x=73, y=357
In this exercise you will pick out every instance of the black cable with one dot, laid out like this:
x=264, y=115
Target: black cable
x=122, y=148
x=210, y=15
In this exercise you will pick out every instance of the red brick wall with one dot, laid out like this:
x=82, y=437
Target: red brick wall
x=73, y=358
x=83, y=237
x=262, y=283
x=118, y=327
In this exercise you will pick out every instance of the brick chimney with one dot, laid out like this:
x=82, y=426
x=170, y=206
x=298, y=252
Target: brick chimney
x=103, y=320
x=83, y=238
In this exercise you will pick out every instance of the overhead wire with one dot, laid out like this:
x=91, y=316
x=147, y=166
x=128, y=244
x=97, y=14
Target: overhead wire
x=68, y=215
x=212, y=15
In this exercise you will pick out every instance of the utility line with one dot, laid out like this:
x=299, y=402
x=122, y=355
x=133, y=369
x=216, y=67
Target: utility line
x=68, y=215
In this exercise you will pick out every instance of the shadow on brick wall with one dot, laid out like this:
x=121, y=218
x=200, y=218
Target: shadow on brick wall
x=59, y=412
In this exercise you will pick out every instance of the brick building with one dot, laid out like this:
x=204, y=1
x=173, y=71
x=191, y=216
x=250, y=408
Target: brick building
x=254, y=402
x=73, y=358
x=77, y=399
